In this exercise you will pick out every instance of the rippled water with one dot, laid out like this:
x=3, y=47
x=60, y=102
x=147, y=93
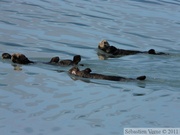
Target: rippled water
x=40, y=99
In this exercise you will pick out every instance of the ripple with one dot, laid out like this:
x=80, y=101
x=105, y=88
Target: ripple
x=50, y=107
x=165, y=95
x=17, y=110
x=97, y=17
x=78, y=24
x=60, y=114
x=2, y=74
x=12, y=44
x=148, y=2
x=81, y=116
x=175, y=2
x=96, y=123
x=148, y=37
x=82, y=105
x=6, y=106
x=61, y=95
x=153, y=123
x=70, y=100
x=117, y=113
x=3, y=85
x=7, y=22
x=28, y=130
x=56, y=129
x=36, y=114
x=35, y=103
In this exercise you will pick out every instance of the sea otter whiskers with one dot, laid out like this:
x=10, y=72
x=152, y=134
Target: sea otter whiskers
x=86, y=73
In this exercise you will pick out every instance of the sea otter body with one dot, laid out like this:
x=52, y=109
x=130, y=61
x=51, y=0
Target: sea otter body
x=112, y=50
x=86, y=73
x=22, y=59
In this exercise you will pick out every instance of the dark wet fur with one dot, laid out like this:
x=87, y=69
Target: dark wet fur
x=86, y=73
x=75, y=61
x=54, y=60
x=107, y=48
x=22, y=59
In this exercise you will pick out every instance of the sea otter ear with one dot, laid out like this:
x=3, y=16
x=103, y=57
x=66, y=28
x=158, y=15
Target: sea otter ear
x=103, y=44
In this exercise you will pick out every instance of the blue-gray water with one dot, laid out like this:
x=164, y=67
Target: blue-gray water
x=39, y=100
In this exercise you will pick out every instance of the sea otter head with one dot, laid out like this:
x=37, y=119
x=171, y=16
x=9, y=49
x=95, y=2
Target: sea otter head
x=74, y=70
x=151, y=51
x=103, y=45
x=54, y=60
x=76, y=59
x=87, y=70
x=20, y=59
x=6, y=56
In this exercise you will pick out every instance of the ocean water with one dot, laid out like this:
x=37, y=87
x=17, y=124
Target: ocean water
x=41, y=99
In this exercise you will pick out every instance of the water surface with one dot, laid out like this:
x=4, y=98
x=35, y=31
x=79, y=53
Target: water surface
x=42, y=99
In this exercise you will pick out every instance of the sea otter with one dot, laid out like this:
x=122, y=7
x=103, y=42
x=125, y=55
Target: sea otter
x=86, y=73
x=75, y=61
x=22, y=59
x=112, y=50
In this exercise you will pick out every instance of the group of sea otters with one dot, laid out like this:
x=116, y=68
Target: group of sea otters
x=103, y=48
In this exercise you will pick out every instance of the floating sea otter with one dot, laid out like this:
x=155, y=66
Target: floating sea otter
x=113, y=51
x=22, y=59
x=86, y=73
